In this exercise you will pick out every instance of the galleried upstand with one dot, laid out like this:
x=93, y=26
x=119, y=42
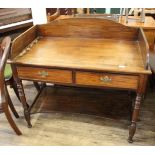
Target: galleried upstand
x=83, y=52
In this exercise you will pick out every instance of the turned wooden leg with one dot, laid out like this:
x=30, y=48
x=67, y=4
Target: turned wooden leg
x=132, y=101
x=22, y=96
x=24, y=103
x=132, y=128
x=9, y=118
x=11, y=104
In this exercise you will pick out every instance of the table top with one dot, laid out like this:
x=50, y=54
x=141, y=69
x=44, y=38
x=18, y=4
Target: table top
x=85, y=53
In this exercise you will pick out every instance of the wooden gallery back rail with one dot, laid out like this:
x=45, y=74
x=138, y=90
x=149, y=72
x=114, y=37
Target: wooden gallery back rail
x=81, y=52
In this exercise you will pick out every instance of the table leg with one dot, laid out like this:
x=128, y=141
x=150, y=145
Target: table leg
x=135, y=115
x=24, y=103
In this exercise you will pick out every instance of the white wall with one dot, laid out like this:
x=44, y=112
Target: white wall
x=39, y=15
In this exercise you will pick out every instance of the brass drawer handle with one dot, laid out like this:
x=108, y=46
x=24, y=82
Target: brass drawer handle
x=43, y=73
x=105, y=79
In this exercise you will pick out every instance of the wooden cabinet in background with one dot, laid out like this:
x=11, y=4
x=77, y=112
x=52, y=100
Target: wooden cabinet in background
x=12, y=18
x=148, y=27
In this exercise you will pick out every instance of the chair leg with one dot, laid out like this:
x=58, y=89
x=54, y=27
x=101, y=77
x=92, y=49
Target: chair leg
x=9, y=118
x=11, y=105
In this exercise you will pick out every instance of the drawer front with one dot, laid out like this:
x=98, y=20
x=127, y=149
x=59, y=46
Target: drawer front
x=42, y=74
x=107, y=80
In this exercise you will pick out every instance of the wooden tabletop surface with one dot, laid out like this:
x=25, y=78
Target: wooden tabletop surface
x=85, y=53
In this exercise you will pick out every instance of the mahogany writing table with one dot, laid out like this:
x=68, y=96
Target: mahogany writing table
x=83, y=53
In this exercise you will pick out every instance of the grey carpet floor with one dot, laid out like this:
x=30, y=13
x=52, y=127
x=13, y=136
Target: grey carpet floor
x=71, y=129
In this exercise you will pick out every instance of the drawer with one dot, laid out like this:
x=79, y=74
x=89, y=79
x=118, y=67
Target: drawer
x=107, y=80
x=47, y=75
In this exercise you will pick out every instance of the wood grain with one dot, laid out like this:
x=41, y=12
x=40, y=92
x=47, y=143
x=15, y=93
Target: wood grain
x=22, y=41
x=148, y=26
x=13, y=15
x=85, y=53
x=85, y=27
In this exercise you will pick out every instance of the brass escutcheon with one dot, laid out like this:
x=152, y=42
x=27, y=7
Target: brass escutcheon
x=105, y=79
x=43, y=73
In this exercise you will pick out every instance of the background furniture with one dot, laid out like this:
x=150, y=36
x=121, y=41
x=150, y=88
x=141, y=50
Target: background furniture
x=52, y=17
x=5, y=100
x=148, y=27
x=63, y=11
x=83, y=52
x=14, y=19
x=13, y=22
x=141, y=18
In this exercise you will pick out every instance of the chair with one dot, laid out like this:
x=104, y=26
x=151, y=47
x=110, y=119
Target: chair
x=5, y=79
x=54, y=16
x=127, y=12
x=54, y=13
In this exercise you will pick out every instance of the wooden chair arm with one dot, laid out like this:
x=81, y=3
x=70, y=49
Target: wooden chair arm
x=54, y=16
